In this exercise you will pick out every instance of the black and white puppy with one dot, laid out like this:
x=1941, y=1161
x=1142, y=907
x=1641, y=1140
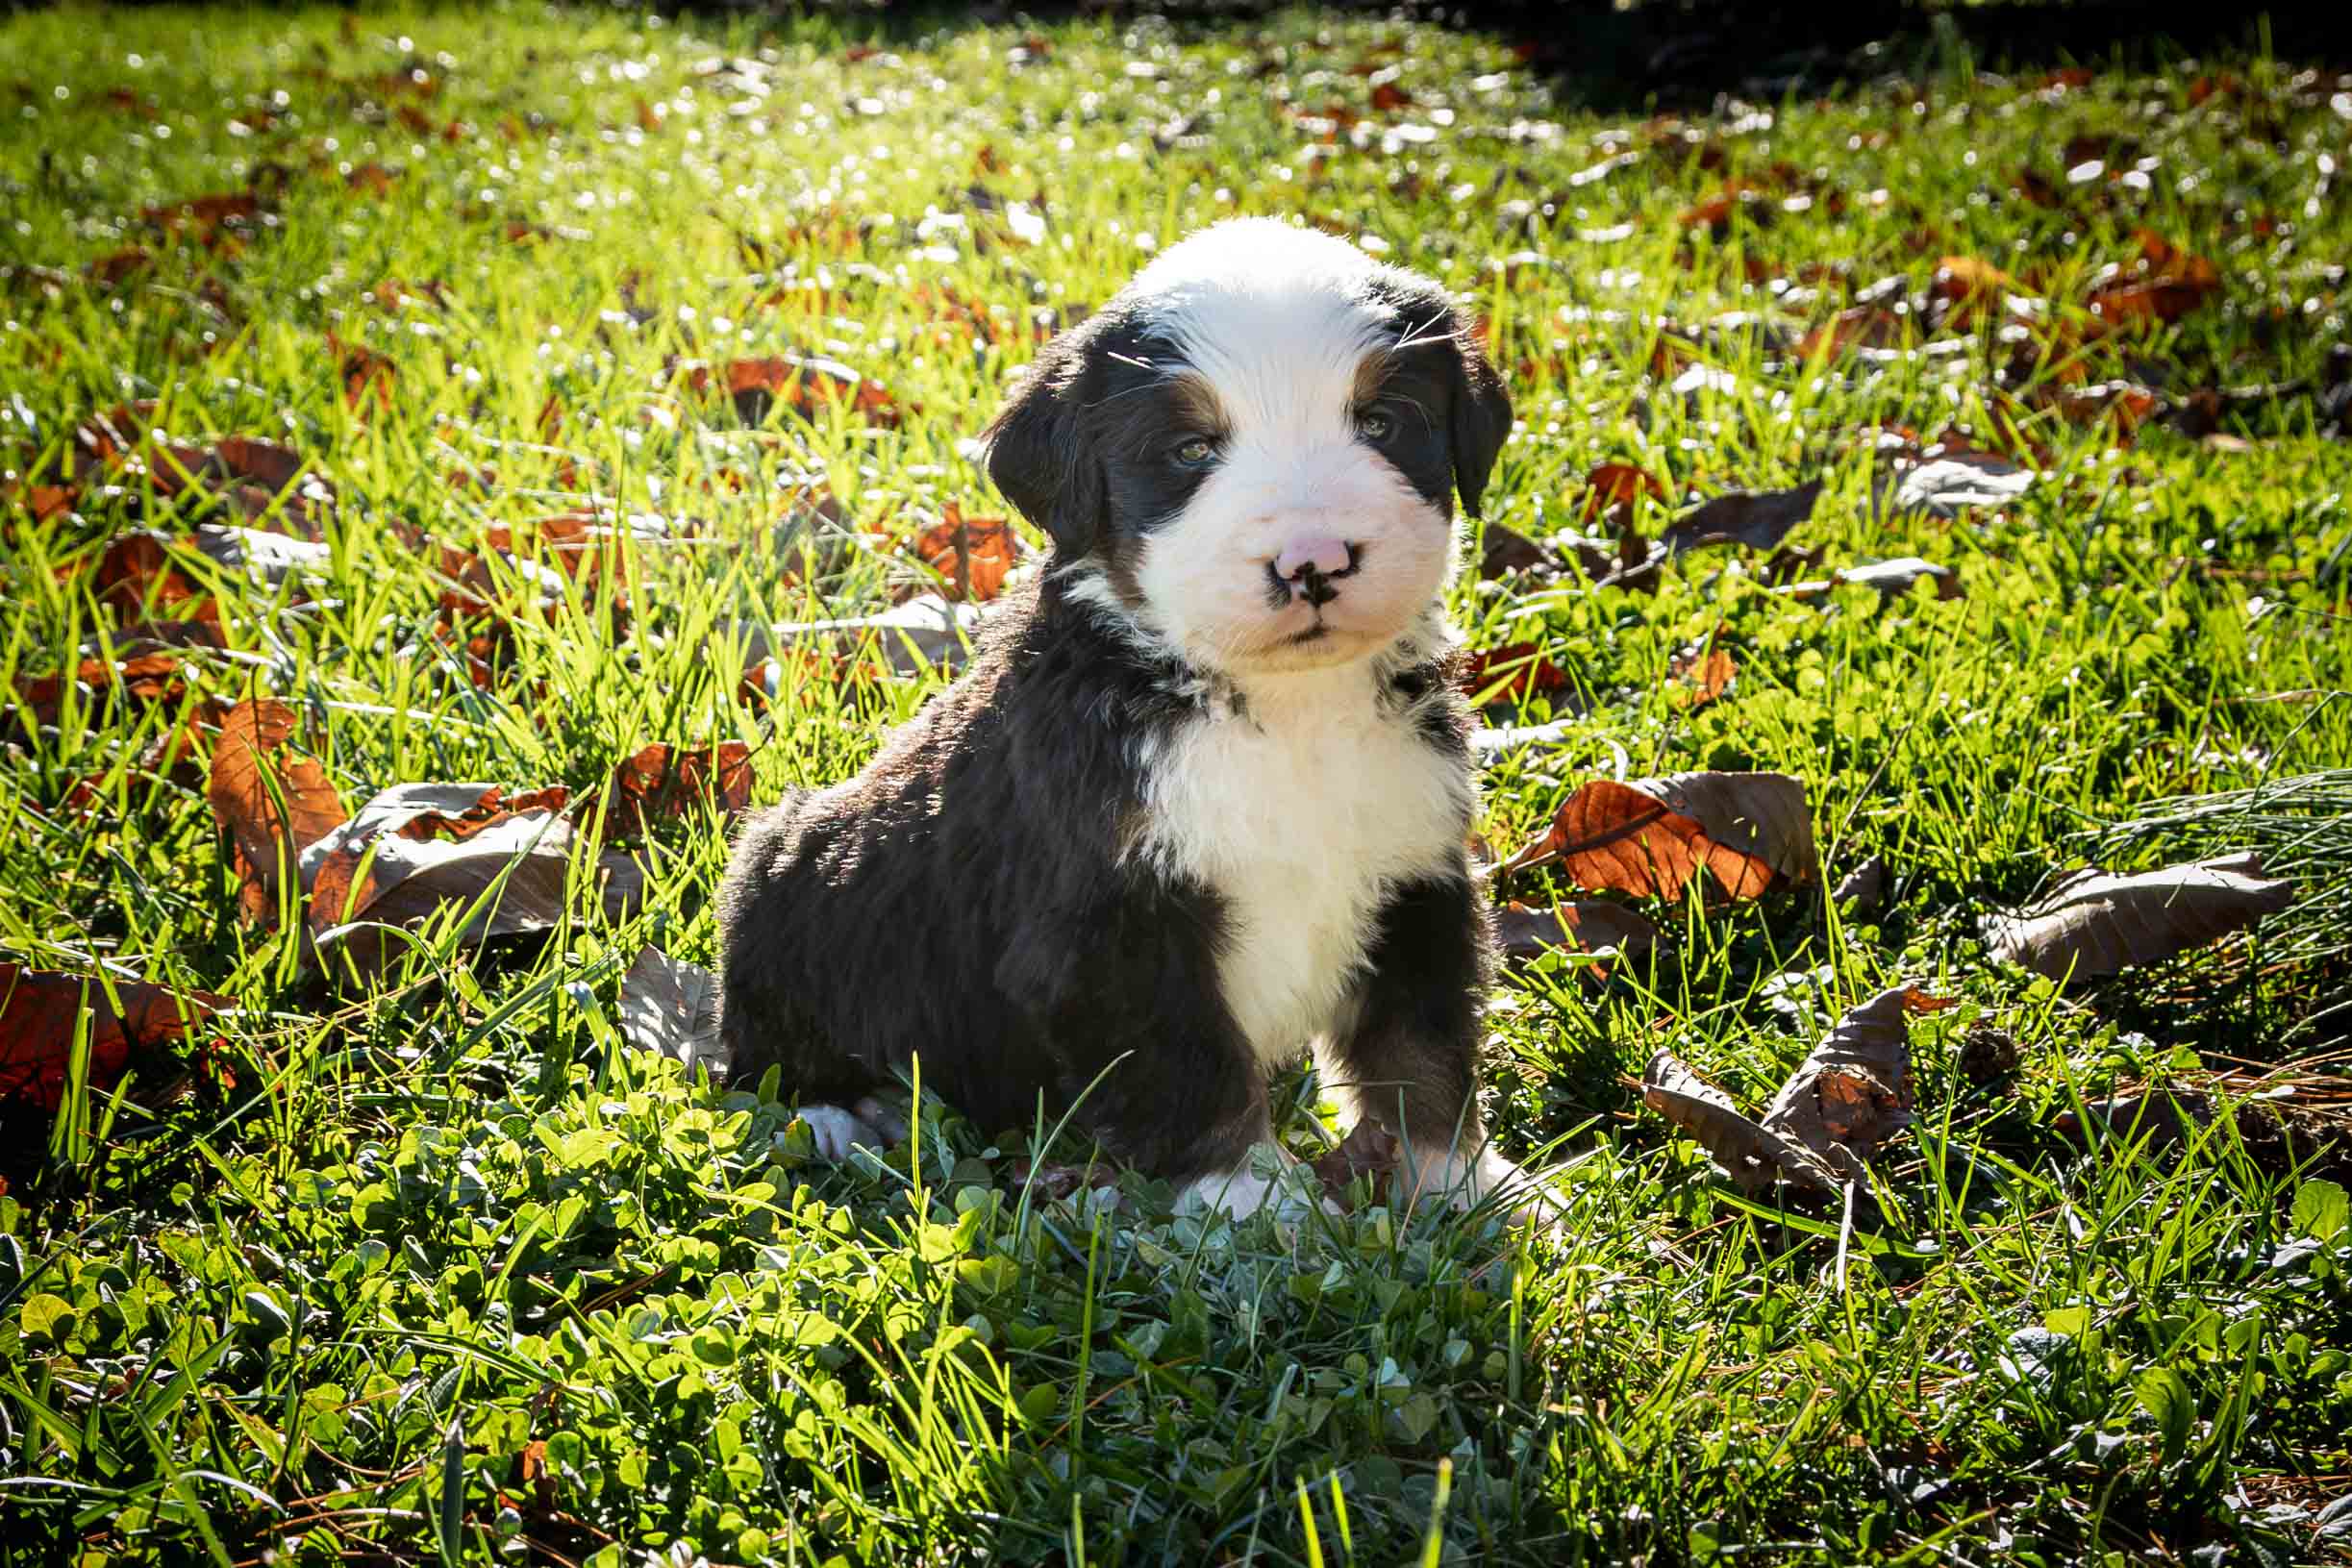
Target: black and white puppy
x=1200, y=804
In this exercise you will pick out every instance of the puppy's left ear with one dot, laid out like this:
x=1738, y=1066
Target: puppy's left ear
x=1480, y=414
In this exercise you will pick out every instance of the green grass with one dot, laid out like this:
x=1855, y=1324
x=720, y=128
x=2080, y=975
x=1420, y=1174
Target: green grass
x=435, y=1270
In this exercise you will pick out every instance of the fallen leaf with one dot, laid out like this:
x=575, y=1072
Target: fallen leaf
x=1749, y=1154
x=1852, y=1091
x=1750, y=831
x=436, y=845
x=1891, y=578
x=1613, y=487
x=659, y=783
x=1369, y=1148
x=670, y=1005
x=1862, y=890
x=136, y=575
x=268, y=557
x=1704, y=677
x=972, y=554
x=1505, y=550
x=2096, y=923
x=1510, y=673
x=2165, y=284
x=247, y=767
x=1759, y=519
x=40, y=1011
x=807, y=386
x=366, y=375
x=1583, y=925
x=207, y=219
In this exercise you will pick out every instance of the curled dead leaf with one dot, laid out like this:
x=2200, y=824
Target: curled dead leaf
x=251, y=774
x=1758, y=519
x=1510, y=673
x=1749, y=832
x=1583, y=925
x=671, y=1007
x=417, y=848
x=2096, y=923
x=40, y=1013
x=1852, y=1091
x=1746, y=1153
x=660, y=783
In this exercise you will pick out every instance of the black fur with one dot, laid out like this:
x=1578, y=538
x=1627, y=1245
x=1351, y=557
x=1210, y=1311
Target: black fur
x=962, y=898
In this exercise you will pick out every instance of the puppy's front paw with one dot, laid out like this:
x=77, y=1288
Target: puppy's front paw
x=1468, y=1182
x=836, y=1132
x=1270, y=1178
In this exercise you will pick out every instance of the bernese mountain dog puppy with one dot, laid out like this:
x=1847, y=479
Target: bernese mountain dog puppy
x=1200, y=804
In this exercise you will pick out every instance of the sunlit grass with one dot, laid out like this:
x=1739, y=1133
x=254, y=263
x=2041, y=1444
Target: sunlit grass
x=435, y=1269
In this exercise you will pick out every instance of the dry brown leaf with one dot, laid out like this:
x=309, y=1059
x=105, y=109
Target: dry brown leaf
x=1510, y=673
x=1613, y=489
x=972, y=554
x=1704, y=678
x=1758, y=519
x=1852, y=1091
x=1750, y=831
x=434, y=845
x=670, y=1005
x=805, y=386
x=39, y=1014
x=1749, y=1154
x=1368, y=1150
x=248, y=759
x=1583, y=925
x=664, y=783
x=2095, y=923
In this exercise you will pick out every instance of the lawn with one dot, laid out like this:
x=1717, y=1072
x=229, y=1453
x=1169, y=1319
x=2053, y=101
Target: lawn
x=486, y=396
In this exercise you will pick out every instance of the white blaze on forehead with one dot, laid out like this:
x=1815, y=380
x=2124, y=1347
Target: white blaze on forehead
x=1278, y=319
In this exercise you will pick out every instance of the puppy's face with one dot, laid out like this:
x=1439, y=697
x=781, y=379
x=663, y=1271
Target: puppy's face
x=1252, y=451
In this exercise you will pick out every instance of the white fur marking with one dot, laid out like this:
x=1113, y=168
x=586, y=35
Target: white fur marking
x=1302, y=812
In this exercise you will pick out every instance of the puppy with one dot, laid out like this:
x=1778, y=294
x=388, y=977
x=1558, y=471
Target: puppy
x=1200, y=802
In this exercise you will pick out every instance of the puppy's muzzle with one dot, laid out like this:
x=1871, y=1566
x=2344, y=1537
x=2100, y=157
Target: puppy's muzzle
x=1309, y=570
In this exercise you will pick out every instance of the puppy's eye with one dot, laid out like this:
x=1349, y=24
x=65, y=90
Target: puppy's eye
x=1375, y=424
x=1196, y=453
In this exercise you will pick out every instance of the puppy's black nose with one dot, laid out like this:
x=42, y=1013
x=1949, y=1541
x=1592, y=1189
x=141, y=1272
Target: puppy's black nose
x=1310, y=571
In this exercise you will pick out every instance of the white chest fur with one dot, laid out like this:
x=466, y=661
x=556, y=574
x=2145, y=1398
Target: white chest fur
x=1302, y=812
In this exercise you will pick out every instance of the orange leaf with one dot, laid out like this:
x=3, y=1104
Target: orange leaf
x=1614, y=486
x=1749, y=832
x=1520, y=668
x=662, y=783
x=972, y=554
x=269, y=843
x=39, y=1014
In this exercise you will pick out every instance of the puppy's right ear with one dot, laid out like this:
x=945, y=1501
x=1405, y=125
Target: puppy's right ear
x=1039, y=456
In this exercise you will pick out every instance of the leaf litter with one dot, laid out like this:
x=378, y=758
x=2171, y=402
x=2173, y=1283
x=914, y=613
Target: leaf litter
x=2094, y=924
x=1850, y=1094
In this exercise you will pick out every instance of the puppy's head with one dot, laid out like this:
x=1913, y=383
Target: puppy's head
x=1253, y=448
